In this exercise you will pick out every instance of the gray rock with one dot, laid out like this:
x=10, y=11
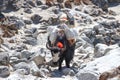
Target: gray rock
x=39, y=2
x=28, y=22
x=110, y=24
x=16, y=4
x=53, y=21
x=22, y=65
x=26, y=54
x=15, y=60
x=20, y=47
x=31, y=3
x=19, y=24
x=92, y=10
x=4, y=71
x=44, y=72
x=87, y=75
x=22, y=71
x=56, y=10
x=38, y=59
x=85, y=38
x=60, y=1
x=3, y=4
x=43, y=7
x=96, y=28
x=68, y=71
x=100, y=50
x=113, y=1
x=27, y=10
x=4, y=58
x=93, y=69
x=30, y=41
x=34, y=69
x=30, y=30
x=36, y=18
x=116, y=38
x=99, y=39
x=102, y=4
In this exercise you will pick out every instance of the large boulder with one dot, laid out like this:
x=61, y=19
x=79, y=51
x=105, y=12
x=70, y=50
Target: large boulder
x=100, y=65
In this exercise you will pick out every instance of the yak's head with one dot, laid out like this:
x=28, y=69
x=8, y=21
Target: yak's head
x=58, y=47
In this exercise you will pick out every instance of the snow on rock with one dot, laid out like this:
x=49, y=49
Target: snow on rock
x=100, y=65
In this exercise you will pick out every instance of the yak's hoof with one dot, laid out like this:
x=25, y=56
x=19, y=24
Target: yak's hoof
x=59, y=68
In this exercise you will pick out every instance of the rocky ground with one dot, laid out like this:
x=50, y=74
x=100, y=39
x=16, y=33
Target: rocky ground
x=23, y=43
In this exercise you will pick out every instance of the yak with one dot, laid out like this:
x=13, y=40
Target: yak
x=61, y=49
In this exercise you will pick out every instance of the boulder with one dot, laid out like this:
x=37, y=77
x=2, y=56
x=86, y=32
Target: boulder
x=16, y=5
x=39, y=2
x=68, y=4
x=87, y=75
x=26, y=54
x=20, y=47
x=32, y=32
x=68, y=71
x=110, y=24
x=53, y=20
x=3, y=4
x=27, y=10
x=87, y=2
x=31, y=3
x=1, y=41
x=34, y=69
x=49, y=3
x=60, y=1
x=99, y=50
x=36, y=18
x=4, y=71
x=77, y=2
x=19, y=75
x=4, y=58
x=44, y=72
x=102, y=4
x=92, y=10
x=56, y=10
x=38, y=59
x=28, y=22
x=30, y=41
x=22, y=66
x=113, y=1
x=92, y=70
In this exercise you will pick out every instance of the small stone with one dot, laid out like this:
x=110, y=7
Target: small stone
x=68, y=71
x=4, y=71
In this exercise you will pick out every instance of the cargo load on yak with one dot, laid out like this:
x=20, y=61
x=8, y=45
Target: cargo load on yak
x=70, y=32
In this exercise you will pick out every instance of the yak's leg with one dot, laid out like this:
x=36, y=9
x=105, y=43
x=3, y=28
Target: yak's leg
x=67, y=61
x=69, y=55
x=60, y=62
